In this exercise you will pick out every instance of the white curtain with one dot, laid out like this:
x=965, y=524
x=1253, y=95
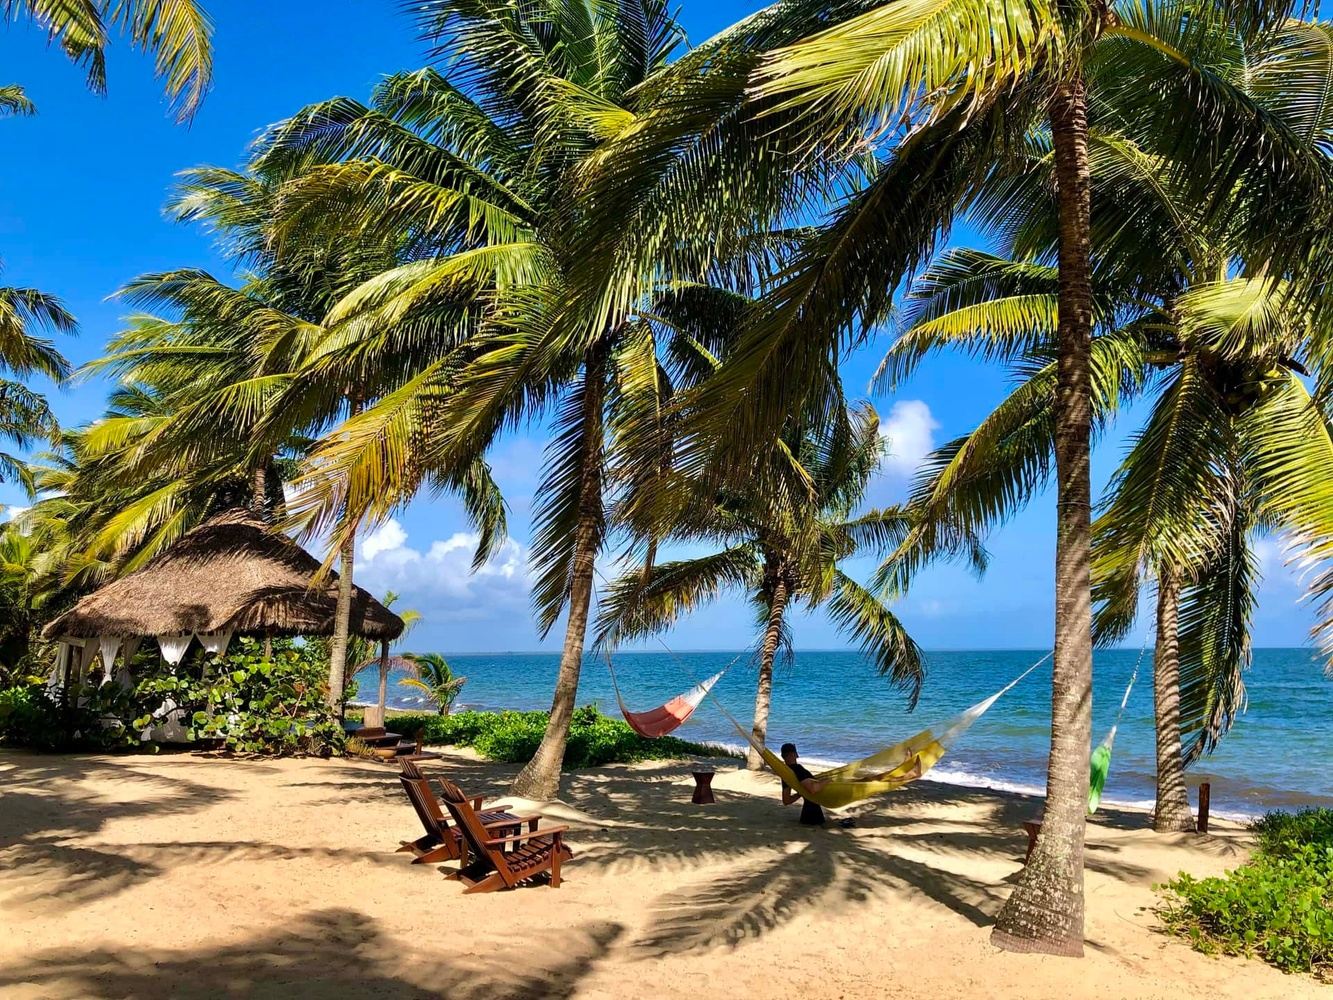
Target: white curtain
x=85, y=651
x=108, y=646
x=57, y=678
x=127, y=652
x=169, y=729
x=173, y=647
x=216, y=643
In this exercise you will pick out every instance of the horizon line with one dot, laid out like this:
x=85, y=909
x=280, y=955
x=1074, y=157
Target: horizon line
x=833, y=649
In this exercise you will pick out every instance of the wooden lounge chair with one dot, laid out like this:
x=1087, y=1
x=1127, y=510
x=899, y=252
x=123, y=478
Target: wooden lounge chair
x=485, y=865
x=441, y=842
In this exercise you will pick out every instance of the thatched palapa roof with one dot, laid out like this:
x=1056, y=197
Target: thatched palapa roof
x=230, y=573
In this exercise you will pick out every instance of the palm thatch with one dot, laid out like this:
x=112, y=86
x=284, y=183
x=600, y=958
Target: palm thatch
x=230, y=573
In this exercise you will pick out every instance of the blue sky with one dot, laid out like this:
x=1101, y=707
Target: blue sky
x=81, y=192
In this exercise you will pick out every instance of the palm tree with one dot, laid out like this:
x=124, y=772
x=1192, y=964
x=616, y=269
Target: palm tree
x=958, y=85
x=1161, y=275
x=25, y=415
x=177, y=32
x=243, y=374
x=781, y=548
x=479, y=166
x=435, y=679
x=1221, y=362
x=20, y=598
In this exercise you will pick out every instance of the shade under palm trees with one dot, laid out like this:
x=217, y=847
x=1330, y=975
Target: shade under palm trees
x=956, y=86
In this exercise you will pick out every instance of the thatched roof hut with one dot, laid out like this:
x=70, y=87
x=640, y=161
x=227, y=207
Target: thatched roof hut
x=231, y=574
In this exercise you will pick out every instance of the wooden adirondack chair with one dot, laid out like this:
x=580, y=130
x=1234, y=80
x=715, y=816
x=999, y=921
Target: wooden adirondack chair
x=441, y=842
x=485, y=865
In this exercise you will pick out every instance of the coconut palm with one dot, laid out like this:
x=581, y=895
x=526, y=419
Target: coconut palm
x=955, y=86
x=20, y=598
x=434, y=678
x=25, y=416
x=479, y=167
x=1161, y=274
x=177, y=32
x=781, y=549
x=247, y=367
x=1221, y=363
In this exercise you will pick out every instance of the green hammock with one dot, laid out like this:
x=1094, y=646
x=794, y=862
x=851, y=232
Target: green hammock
x=1101, y=757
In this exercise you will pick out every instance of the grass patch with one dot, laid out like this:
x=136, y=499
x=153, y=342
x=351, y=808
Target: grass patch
x=1278, y=906
x=594, y=739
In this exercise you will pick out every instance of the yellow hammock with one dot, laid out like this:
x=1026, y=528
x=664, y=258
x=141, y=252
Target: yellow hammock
x=889, y=769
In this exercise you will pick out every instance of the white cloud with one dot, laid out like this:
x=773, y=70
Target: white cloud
x=909, y=432
x=439, y=581
x=1282, y=562
x=387, y=537
x=14, y=511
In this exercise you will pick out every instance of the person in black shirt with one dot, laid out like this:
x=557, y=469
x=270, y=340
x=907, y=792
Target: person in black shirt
x=811, y=814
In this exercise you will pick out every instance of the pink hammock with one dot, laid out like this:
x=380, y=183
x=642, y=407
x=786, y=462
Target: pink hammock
x=660, y=721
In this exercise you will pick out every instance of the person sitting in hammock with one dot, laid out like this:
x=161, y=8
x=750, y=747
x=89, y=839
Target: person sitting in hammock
x=811, y=813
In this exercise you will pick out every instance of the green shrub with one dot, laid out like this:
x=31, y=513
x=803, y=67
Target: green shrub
x=1278, y=906
x=251, y=703
x=1279, y=831
x=31, y=717
x=594, y=739
x=241, y=701
x=514, y=737
x=28, y=718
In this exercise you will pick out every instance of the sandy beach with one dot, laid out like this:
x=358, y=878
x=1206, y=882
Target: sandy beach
x=185, y=876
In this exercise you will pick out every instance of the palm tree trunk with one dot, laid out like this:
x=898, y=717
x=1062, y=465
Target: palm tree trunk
x=342, y=614
x=1172, y=814
x=259, y=491
x=1045, y=911
x=342, y=621
x=540, y=777
x=273, y=476
x=763, y=695
x=384, y=676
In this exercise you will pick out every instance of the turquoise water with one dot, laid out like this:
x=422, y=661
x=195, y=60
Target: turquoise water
x=835, y=707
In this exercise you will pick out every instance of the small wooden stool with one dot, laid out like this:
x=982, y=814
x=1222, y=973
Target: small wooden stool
x=1033, y=827
x=703, y=788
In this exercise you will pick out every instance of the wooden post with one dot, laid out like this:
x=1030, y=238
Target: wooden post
x=384, y=674
x=268, y=645
x=1205, y=795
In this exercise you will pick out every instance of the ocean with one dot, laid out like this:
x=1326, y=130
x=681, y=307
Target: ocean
x=835, y=707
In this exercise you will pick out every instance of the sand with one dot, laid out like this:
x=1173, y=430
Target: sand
x=187, y=876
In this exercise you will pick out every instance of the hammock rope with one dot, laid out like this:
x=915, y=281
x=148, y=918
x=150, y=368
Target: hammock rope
x=666, y=718
x=1100, y=764
x=887, y=770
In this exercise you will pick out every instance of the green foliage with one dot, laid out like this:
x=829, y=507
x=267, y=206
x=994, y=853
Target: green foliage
x=594, y=739
x=1281, y=832
x=1278, y=906
x=254, y=704
x=242, y=702
x=31, y=717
